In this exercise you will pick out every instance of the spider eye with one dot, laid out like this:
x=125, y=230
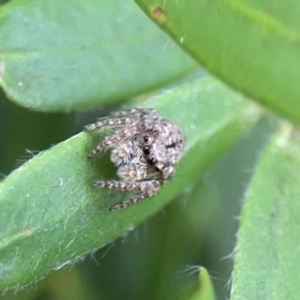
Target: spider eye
x=151, y=161
x=157, y=169
x=146, y=138
x=146, y=150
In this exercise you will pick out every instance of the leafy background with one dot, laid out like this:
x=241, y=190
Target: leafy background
x=65, y=63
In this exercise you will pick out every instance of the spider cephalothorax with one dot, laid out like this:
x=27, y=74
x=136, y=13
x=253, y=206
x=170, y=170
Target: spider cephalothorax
x=145, y=149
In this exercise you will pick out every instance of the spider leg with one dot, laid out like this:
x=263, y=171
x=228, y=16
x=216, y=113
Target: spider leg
x=112, y=140
x=133, y=172
x=133, y=200
x=147, y=116
x=145, y=189
x=112, y=123
x=148, y=187
x=136, y=112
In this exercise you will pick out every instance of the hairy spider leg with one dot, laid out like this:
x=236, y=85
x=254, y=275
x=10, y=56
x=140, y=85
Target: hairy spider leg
x=111, y=123
x=135, y=112
x=147, y=115
x=133, y=172
x=145, y=189
x=133, y=200
x=111, y=140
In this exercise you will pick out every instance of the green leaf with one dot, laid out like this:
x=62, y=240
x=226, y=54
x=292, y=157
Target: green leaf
x=202, y=290
x=51, y=215
x=252, y=45
x=70, y=54
x=267, y=253
x=182, y=233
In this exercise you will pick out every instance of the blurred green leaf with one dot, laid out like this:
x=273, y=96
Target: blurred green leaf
x=202, y=290
x=51, y=215
x=267, y=253
x=70, y=54
x=184, y=229
x=252, y=44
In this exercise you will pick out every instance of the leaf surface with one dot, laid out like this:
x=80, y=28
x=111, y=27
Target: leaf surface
x=267, y=254
x=60, y=55
x=254, y=45
x=51, y=215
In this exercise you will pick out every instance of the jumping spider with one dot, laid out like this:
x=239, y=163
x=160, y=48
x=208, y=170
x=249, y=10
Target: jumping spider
x=144, y=147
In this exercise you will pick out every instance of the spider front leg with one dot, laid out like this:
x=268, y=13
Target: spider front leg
x=147, y=116
x=111, y=123
x=112, y=140
x=133, y=200
x=136, y=112
x=144, y=189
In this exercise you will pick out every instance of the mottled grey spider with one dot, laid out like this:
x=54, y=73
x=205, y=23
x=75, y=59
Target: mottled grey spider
x=144, y=147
